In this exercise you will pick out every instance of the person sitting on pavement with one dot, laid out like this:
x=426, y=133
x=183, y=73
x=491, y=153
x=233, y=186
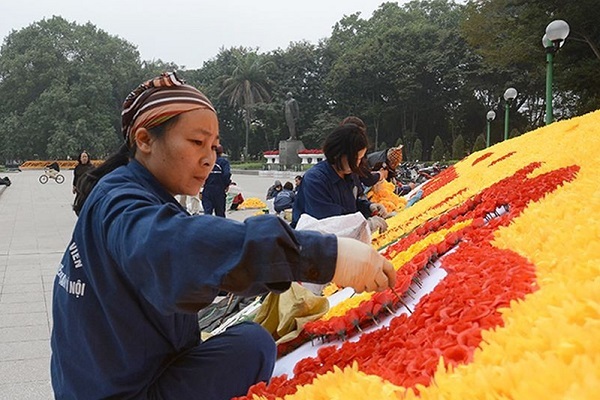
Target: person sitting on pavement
x=273, y=190
x=285, y=199
x=139, y=267
x=332, y=187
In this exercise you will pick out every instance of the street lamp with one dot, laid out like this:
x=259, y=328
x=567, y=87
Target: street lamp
x=556, y=33
x=490, y=116
x=509, y=96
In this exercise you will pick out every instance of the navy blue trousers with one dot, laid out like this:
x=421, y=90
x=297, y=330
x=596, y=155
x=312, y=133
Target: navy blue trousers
x=213, y=200
x=222, y=367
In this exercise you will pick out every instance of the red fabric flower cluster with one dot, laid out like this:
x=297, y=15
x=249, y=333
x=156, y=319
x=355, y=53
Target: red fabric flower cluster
x=310, y=151
x=483, y=157
x=504, y=157
x=447, y=322
x=440, y=180
x=271, y=152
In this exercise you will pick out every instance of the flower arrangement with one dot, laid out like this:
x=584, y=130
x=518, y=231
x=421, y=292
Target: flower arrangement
x=310, y=151
x=271, y=152
x=252, y=202
x=514, y=228
x=383, y=193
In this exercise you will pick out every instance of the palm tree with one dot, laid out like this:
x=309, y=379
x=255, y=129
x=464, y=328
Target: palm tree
x=247, y=85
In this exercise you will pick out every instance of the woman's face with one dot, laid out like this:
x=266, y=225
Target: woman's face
x=182, y=159
x=84, y=158
x=346, y=167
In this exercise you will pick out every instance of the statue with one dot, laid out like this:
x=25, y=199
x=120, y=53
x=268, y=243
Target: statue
x=292, y=112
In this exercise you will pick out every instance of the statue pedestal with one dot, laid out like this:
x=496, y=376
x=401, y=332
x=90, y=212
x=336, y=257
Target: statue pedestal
x=288, y=152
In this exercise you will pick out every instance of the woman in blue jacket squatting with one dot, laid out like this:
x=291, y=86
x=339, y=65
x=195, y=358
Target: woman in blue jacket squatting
x=139, y=267
x=333, y=187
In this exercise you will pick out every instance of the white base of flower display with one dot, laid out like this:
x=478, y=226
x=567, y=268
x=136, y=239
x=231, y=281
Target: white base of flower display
x=285, y=365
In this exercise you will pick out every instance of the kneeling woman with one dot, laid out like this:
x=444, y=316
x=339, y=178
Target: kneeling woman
x=139, y=267
x=332, y=187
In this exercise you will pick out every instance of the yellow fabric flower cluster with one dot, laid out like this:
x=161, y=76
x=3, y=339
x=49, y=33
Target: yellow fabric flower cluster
x=252, y=202
x=383, y=193
x=548, y=347
x=347, y=384
x=344, y=306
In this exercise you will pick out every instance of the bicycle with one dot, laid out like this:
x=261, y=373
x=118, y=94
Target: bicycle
x=50, y=173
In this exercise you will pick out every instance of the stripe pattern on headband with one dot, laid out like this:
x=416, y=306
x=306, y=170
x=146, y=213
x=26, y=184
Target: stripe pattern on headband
x=157, y=100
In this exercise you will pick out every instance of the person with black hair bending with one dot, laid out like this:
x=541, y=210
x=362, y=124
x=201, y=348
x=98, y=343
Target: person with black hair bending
x=332, y=187
x=139, y=267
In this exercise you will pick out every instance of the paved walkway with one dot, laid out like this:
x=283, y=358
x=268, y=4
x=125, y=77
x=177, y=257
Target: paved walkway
x=36, y=222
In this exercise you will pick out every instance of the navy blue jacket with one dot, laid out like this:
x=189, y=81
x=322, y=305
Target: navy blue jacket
x=139, y=267
x=324, y=194
x=219, y=178
x=284, y=200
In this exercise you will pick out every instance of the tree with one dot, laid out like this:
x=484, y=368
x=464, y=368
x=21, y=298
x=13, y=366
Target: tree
x=402, y=69
x=507, y=35
x=62, y=86
x=437, y=151
x=417, y=150
x=300, y=69
x=458, y=148
x=246, y=86
x=479, y=143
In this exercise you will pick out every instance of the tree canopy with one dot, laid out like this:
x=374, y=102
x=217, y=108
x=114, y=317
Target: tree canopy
x=419, y=74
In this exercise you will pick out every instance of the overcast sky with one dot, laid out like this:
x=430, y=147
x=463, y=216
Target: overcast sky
x=189, y=32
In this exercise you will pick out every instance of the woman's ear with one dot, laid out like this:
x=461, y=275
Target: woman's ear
x=143, y=140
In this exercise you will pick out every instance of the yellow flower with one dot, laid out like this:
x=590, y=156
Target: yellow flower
x=252, y=202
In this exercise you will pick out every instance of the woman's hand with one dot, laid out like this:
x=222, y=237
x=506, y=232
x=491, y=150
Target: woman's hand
x=376, y=223
x=378, y=209
x=360, y=267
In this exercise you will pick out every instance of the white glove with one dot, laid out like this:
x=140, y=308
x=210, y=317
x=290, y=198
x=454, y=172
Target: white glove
x=376, y=223
x=378, y=209
x=360, y=267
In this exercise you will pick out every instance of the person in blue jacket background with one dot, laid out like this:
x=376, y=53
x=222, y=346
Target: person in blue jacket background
x=216, y=186
x=139, y=267
x=332, y=187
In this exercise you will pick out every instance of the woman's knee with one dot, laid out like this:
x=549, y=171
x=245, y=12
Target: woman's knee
x=253, y=339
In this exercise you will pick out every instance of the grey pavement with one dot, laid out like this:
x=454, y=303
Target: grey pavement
x=36, y=222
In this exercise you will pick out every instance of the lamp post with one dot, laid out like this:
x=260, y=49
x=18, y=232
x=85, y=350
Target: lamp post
x=556, y=33
x=490, y=116
x=509, y=96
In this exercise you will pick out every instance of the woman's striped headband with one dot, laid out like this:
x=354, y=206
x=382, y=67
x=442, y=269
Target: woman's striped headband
x=157, y=100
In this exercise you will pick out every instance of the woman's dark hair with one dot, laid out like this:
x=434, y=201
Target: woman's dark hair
x=345, y=140
x=89, y=180
x=356, y=121
x=288, y=186
x=80, y=154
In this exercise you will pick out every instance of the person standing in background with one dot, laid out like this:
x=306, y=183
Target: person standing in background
x=84, y=164
x=217, y=184
x=298, y=181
